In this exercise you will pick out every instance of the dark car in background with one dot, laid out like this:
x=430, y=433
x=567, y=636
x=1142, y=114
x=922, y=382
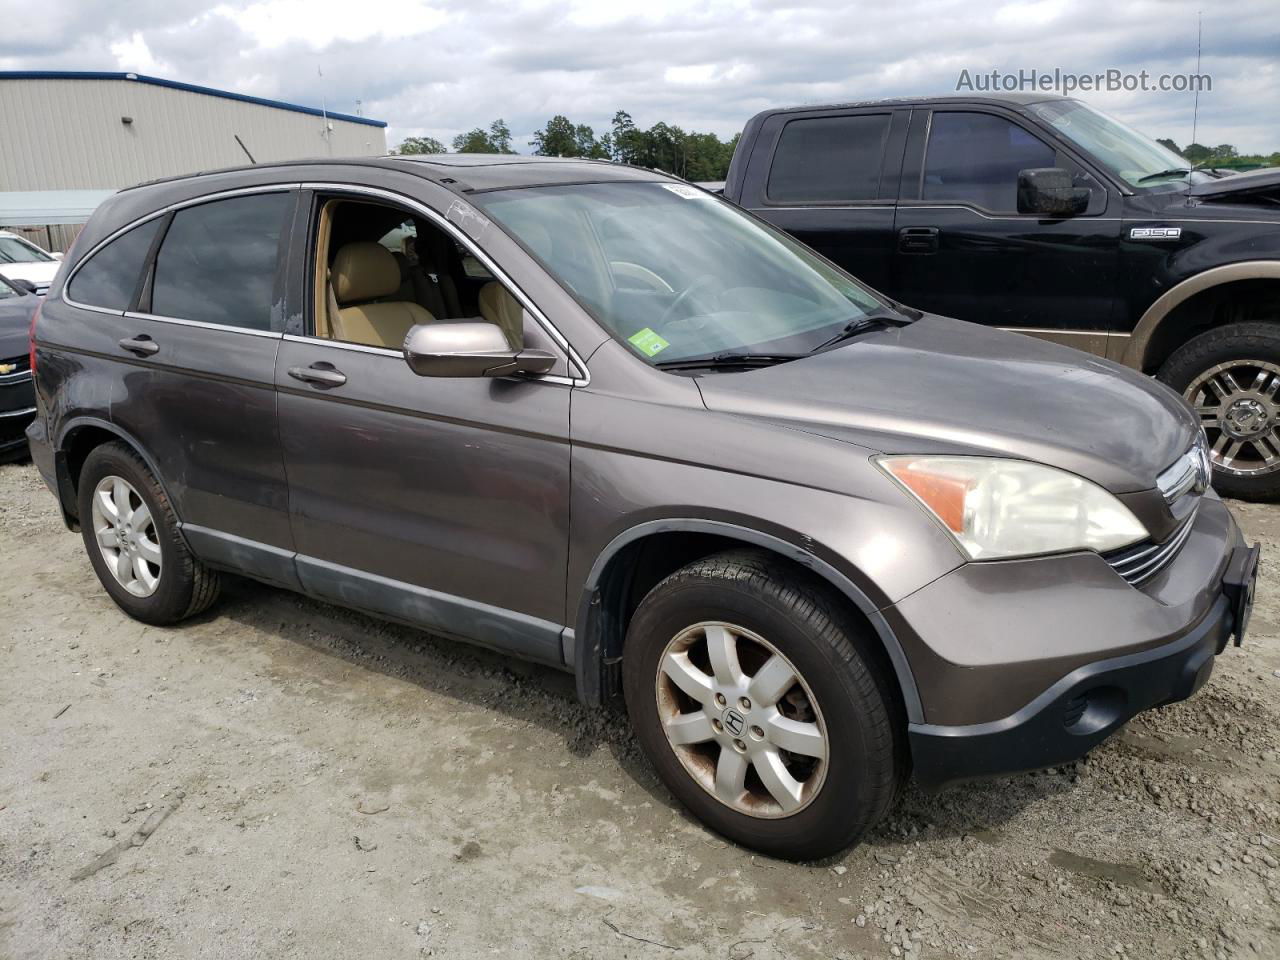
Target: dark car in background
x=614, y=424
x=1043, y=215
x=17, y=395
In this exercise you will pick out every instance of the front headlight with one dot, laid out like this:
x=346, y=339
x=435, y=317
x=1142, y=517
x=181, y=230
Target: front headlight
x=1011, y=508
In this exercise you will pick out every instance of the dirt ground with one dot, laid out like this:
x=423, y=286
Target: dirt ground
x=281, y=778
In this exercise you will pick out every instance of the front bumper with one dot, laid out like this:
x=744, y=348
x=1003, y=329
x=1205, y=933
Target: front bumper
x=1134, y=650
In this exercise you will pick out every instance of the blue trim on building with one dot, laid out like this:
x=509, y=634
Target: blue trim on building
x=178, y=85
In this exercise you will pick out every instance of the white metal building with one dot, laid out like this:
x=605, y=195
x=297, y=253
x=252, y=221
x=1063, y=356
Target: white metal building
x=103, y=131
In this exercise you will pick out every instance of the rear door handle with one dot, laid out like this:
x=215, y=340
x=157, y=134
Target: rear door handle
x=142, y=345
x=918, y=240
x=320, y=374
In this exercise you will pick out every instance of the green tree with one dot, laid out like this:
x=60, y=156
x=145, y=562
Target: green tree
x=1197, y=153
x=497, y=139
x=562, y=138
x=1171, y=145
x=412, y=145
x=500, y=136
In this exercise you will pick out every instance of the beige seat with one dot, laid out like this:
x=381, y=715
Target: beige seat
x=501, y=308
x=361, y=273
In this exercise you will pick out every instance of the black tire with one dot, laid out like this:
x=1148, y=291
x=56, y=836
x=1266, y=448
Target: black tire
x=186, y=586
x=829, y=648
x=1234, y=342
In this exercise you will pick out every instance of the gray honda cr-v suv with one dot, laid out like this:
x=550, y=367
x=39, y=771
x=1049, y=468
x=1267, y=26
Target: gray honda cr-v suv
x=593, y=416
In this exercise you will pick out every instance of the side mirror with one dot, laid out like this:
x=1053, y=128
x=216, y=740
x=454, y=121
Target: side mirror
x=1048, y=191
x=469, y=349
x=26, y=286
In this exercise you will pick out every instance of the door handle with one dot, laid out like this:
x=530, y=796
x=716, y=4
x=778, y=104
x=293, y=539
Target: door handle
x=142, y=345
x=918, y=240
x=321, y=375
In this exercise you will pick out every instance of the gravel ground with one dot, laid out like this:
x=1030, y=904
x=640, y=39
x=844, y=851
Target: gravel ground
x=281, y=778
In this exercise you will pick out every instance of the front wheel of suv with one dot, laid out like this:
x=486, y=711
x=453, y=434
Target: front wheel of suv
x=754, y=695
x=131, y=533
x=1231, y=377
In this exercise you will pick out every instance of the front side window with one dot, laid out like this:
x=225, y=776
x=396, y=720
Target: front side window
x=6, y=291
x=217, y=263
x=17, y=250
x=676, y=273
x=109, y=278
x=380, y=272
x=832, y=159
x=975, y=158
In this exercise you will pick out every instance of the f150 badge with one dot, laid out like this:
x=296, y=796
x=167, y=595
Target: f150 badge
x=1155, y=233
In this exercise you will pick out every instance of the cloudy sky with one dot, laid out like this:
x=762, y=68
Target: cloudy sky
x=441, y=67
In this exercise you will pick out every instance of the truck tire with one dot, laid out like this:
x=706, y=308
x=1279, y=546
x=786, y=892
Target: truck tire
x=755, y=695
x=1231, y=377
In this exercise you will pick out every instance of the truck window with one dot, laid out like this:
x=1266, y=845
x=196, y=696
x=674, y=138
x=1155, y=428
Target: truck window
x=975, y=158
x=829, y=159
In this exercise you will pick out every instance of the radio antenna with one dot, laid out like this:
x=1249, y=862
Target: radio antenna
x=1195, y=110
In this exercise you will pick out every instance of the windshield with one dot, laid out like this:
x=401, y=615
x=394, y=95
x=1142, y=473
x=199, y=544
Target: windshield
x=676, y=273
x=13, y=250
x=1135, y=158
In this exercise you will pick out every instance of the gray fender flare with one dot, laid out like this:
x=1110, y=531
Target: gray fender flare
x=1136, y=349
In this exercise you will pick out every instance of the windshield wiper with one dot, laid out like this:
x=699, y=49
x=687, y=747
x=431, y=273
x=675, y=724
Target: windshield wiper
x=729, y=358
x=1171, y=172
x=858, y=324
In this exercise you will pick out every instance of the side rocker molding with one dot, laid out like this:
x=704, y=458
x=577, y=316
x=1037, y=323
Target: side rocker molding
x=591, y=661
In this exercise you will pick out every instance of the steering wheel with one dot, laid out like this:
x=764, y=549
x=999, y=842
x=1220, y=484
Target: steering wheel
x=683, y=297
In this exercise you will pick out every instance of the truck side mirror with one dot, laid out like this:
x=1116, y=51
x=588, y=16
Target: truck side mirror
x=1048, y=191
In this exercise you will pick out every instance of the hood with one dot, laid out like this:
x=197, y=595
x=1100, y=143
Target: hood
x=1252, y=184
x=15, y=321
x=940, y=385
x=39, y=272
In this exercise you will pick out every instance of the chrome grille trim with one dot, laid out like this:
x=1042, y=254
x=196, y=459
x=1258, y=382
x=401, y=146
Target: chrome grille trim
x=1191, y=471
x=1136, y=564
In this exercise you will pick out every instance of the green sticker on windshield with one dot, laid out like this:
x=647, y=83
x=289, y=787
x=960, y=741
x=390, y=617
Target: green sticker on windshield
x=647, y=342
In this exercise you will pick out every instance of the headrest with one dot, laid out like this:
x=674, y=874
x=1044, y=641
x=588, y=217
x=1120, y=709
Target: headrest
x=364, y=271
x=497, y=305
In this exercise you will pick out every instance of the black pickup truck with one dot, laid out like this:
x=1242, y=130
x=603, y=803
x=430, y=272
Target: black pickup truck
x=1043, y=215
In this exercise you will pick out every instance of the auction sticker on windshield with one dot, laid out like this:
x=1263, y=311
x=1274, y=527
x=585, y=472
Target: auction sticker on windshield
x=686, y=191
x=647, y=342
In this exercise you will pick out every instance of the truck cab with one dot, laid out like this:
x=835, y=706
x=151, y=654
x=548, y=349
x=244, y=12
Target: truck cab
x=1043, y=215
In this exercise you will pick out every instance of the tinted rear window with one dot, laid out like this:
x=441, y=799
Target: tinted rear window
x=829, y=159
x=109, y=277
x=217, y=263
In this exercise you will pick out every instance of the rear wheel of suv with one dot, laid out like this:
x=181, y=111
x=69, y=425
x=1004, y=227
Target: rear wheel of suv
x=753, y=694
x=131, y=534
x=1231, y=376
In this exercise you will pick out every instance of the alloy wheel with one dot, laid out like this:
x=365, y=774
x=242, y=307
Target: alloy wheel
x=741, y=720
x=1239, y=409
x=125, y=533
